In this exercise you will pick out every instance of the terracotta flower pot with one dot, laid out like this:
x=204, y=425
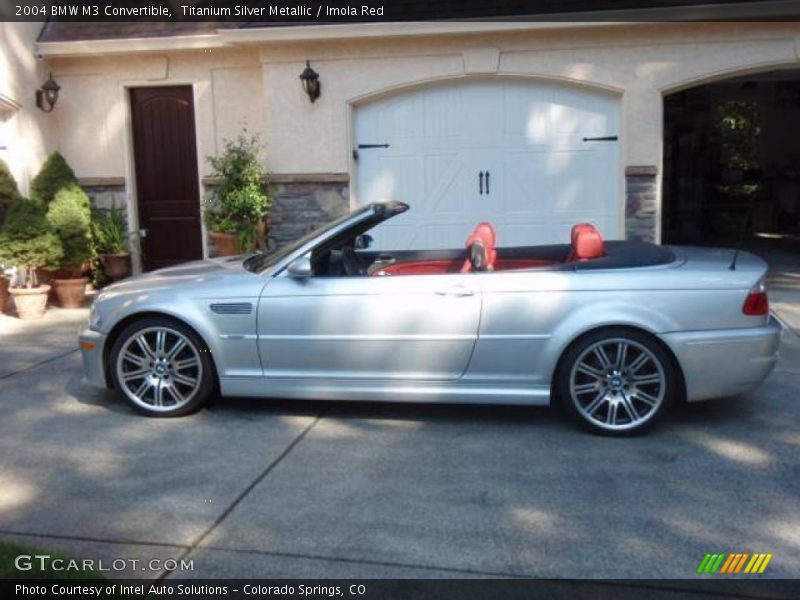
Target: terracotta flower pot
x=30, y=303
x=71, y=292
x=225, y=243
x=116, y=266
x=3, y=293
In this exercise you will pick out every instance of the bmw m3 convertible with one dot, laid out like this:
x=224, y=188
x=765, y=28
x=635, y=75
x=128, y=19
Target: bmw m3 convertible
x=613, y=331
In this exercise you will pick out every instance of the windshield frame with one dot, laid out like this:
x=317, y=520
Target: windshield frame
x=277, y=260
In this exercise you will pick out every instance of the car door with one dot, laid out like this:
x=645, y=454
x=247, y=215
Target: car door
x=419, y=327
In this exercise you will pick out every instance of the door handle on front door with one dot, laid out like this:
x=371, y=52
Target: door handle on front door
x=457, y=291
x=487, y=183
x=480, y=182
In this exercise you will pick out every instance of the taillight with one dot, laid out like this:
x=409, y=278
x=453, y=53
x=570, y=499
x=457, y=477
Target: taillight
x=756, y=303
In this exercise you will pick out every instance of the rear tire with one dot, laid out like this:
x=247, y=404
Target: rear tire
x=616, y=381
x=162, y=368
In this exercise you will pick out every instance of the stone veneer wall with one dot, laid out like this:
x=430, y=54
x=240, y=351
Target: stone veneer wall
x=300, y=206
x=641, y=203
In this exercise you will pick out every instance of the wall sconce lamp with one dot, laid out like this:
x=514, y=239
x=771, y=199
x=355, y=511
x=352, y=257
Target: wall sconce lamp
x=47, y=95
x=310, y=79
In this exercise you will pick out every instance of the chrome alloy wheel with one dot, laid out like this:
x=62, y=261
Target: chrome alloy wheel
x=159, y=369
x=617, y=384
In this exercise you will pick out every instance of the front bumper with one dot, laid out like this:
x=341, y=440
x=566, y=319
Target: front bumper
x=726, y=362
x=92, y=344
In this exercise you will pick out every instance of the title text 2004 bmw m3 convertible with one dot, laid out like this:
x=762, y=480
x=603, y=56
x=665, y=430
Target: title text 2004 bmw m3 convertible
x=615, y=331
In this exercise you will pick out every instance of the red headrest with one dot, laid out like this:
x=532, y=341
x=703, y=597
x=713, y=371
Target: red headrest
x=587, y=244
x=580, y=227
x=486, y=236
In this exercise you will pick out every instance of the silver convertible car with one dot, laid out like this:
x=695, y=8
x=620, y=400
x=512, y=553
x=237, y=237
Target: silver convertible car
x=614, y=331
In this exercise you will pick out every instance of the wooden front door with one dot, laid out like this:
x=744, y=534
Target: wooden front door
x=165, y=161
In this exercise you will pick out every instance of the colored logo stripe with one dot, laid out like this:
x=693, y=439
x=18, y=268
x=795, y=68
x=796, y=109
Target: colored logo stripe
x=733, y=563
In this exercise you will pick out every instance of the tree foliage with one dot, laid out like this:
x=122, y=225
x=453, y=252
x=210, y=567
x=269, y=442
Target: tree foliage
x=27, y=240
x=71, y=218
x=54, y=175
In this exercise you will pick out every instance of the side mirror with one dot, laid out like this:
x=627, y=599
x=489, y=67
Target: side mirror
x=364, y=241
x=300, y=267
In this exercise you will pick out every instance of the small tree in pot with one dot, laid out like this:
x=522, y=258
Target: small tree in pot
x=111, y=241
x=70, y=215
x=236, y=210
x=28, y=242
x=9, y=192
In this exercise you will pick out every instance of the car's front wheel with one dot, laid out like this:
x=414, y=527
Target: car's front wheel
x=616, y=381
x=162, y=368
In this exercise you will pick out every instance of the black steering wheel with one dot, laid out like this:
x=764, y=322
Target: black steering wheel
x=352, y=266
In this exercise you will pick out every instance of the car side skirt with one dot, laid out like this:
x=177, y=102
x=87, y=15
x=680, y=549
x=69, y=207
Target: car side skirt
x=384, y=391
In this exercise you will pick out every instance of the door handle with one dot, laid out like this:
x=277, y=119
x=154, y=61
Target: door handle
x=457, y=291
x=480, y=182
x=487, y=182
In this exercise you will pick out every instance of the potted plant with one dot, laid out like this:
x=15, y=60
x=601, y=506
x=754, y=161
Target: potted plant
x=70, y=216
x=111, y=241
x=27, y=242
x=236, y=210
x=9, y=192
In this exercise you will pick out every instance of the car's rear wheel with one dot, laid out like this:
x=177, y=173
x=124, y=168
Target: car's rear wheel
x=162, y=368
x=616, y=381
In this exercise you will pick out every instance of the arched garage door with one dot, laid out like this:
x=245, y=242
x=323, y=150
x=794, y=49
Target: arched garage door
x=533, y=158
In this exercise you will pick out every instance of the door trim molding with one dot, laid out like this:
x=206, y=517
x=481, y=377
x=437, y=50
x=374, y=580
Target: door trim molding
x=129, y=168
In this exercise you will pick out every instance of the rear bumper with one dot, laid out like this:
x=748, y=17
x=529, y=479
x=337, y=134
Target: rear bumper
x=725, y=362
x=92, y=346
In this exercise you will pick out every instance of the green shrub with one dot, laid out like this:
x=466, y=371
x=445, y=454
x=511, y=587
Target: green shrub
x=70, y=215
x=27, y=240
x=239, y=203
x=54, y=175
x=109, y=231
x=9, y=192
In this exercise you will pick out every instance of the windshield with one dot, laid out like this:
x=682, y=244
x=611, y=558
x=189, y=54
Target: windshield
x=264, y=260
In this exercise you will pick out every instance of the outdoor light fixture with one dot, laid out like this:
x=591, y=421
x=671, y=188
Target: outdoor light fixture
x=310, y=79
x=47, y=94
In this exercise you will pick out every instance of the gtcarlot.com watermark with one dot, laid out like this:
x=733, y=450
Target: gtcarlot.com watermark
x=45, y=562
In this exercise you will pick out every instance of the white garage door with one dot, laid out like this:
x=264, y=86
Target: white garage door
x=533, y=158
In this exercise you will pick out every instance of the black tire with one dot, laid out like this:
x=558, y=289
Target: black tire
x=624, y=395
x=205, y=373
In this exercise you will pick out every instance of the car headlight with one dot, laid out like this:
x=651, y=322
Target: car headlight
x=94, y=317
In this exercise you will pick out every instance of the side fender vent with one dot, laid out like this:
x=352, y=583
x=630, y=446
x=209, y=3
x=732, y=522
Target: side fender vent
x=232, y=308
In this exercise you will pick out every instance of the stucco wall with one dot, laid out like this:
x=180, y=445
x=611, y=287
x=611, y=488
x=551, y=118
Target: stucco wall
x=259, y=84
x=28, y=133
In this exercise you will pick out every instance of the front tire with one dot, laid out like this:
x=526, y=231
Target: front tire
x=162, y=368
x=616, y=381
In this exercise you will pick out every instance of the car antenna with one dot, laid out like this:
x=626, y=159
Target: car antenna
x=748, y=225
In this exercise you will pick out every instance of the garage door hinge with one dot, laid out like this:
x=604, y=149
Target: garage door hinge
x=607, y=138
x=367, y=146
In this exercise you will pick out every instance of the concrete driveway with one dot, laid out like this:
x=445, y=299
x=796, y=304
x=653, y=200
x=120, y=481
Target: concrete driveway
x=251, y=488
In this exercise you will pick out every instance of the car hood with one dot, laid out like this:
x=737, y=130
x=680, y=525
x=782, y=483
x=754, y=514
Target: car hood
x=192, y=273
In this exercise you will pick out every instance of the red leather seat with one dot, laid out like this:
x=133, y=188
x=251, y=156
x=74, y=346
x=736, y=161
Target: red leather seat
x=587, y=243
x=481, y=249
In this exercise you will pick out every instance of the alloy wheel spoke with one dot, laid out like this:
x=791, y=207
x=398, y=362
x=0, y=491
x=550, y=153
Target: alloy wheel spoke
x=627, y=402
x=590, y=371
x=161, y=342
x=645, y=379
x=175, y=393
x=595, y=404
x=186, y=363
x=191, y=381
x=645, y=397
x=145, y=347
x=586, y=388
x=143, y=387
x=622, y=352
x=637, y=364
x=159, y=393
x=179, y=345
x=133, y=358
x=601, y=355
x=137, y=374
x=611, y=417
